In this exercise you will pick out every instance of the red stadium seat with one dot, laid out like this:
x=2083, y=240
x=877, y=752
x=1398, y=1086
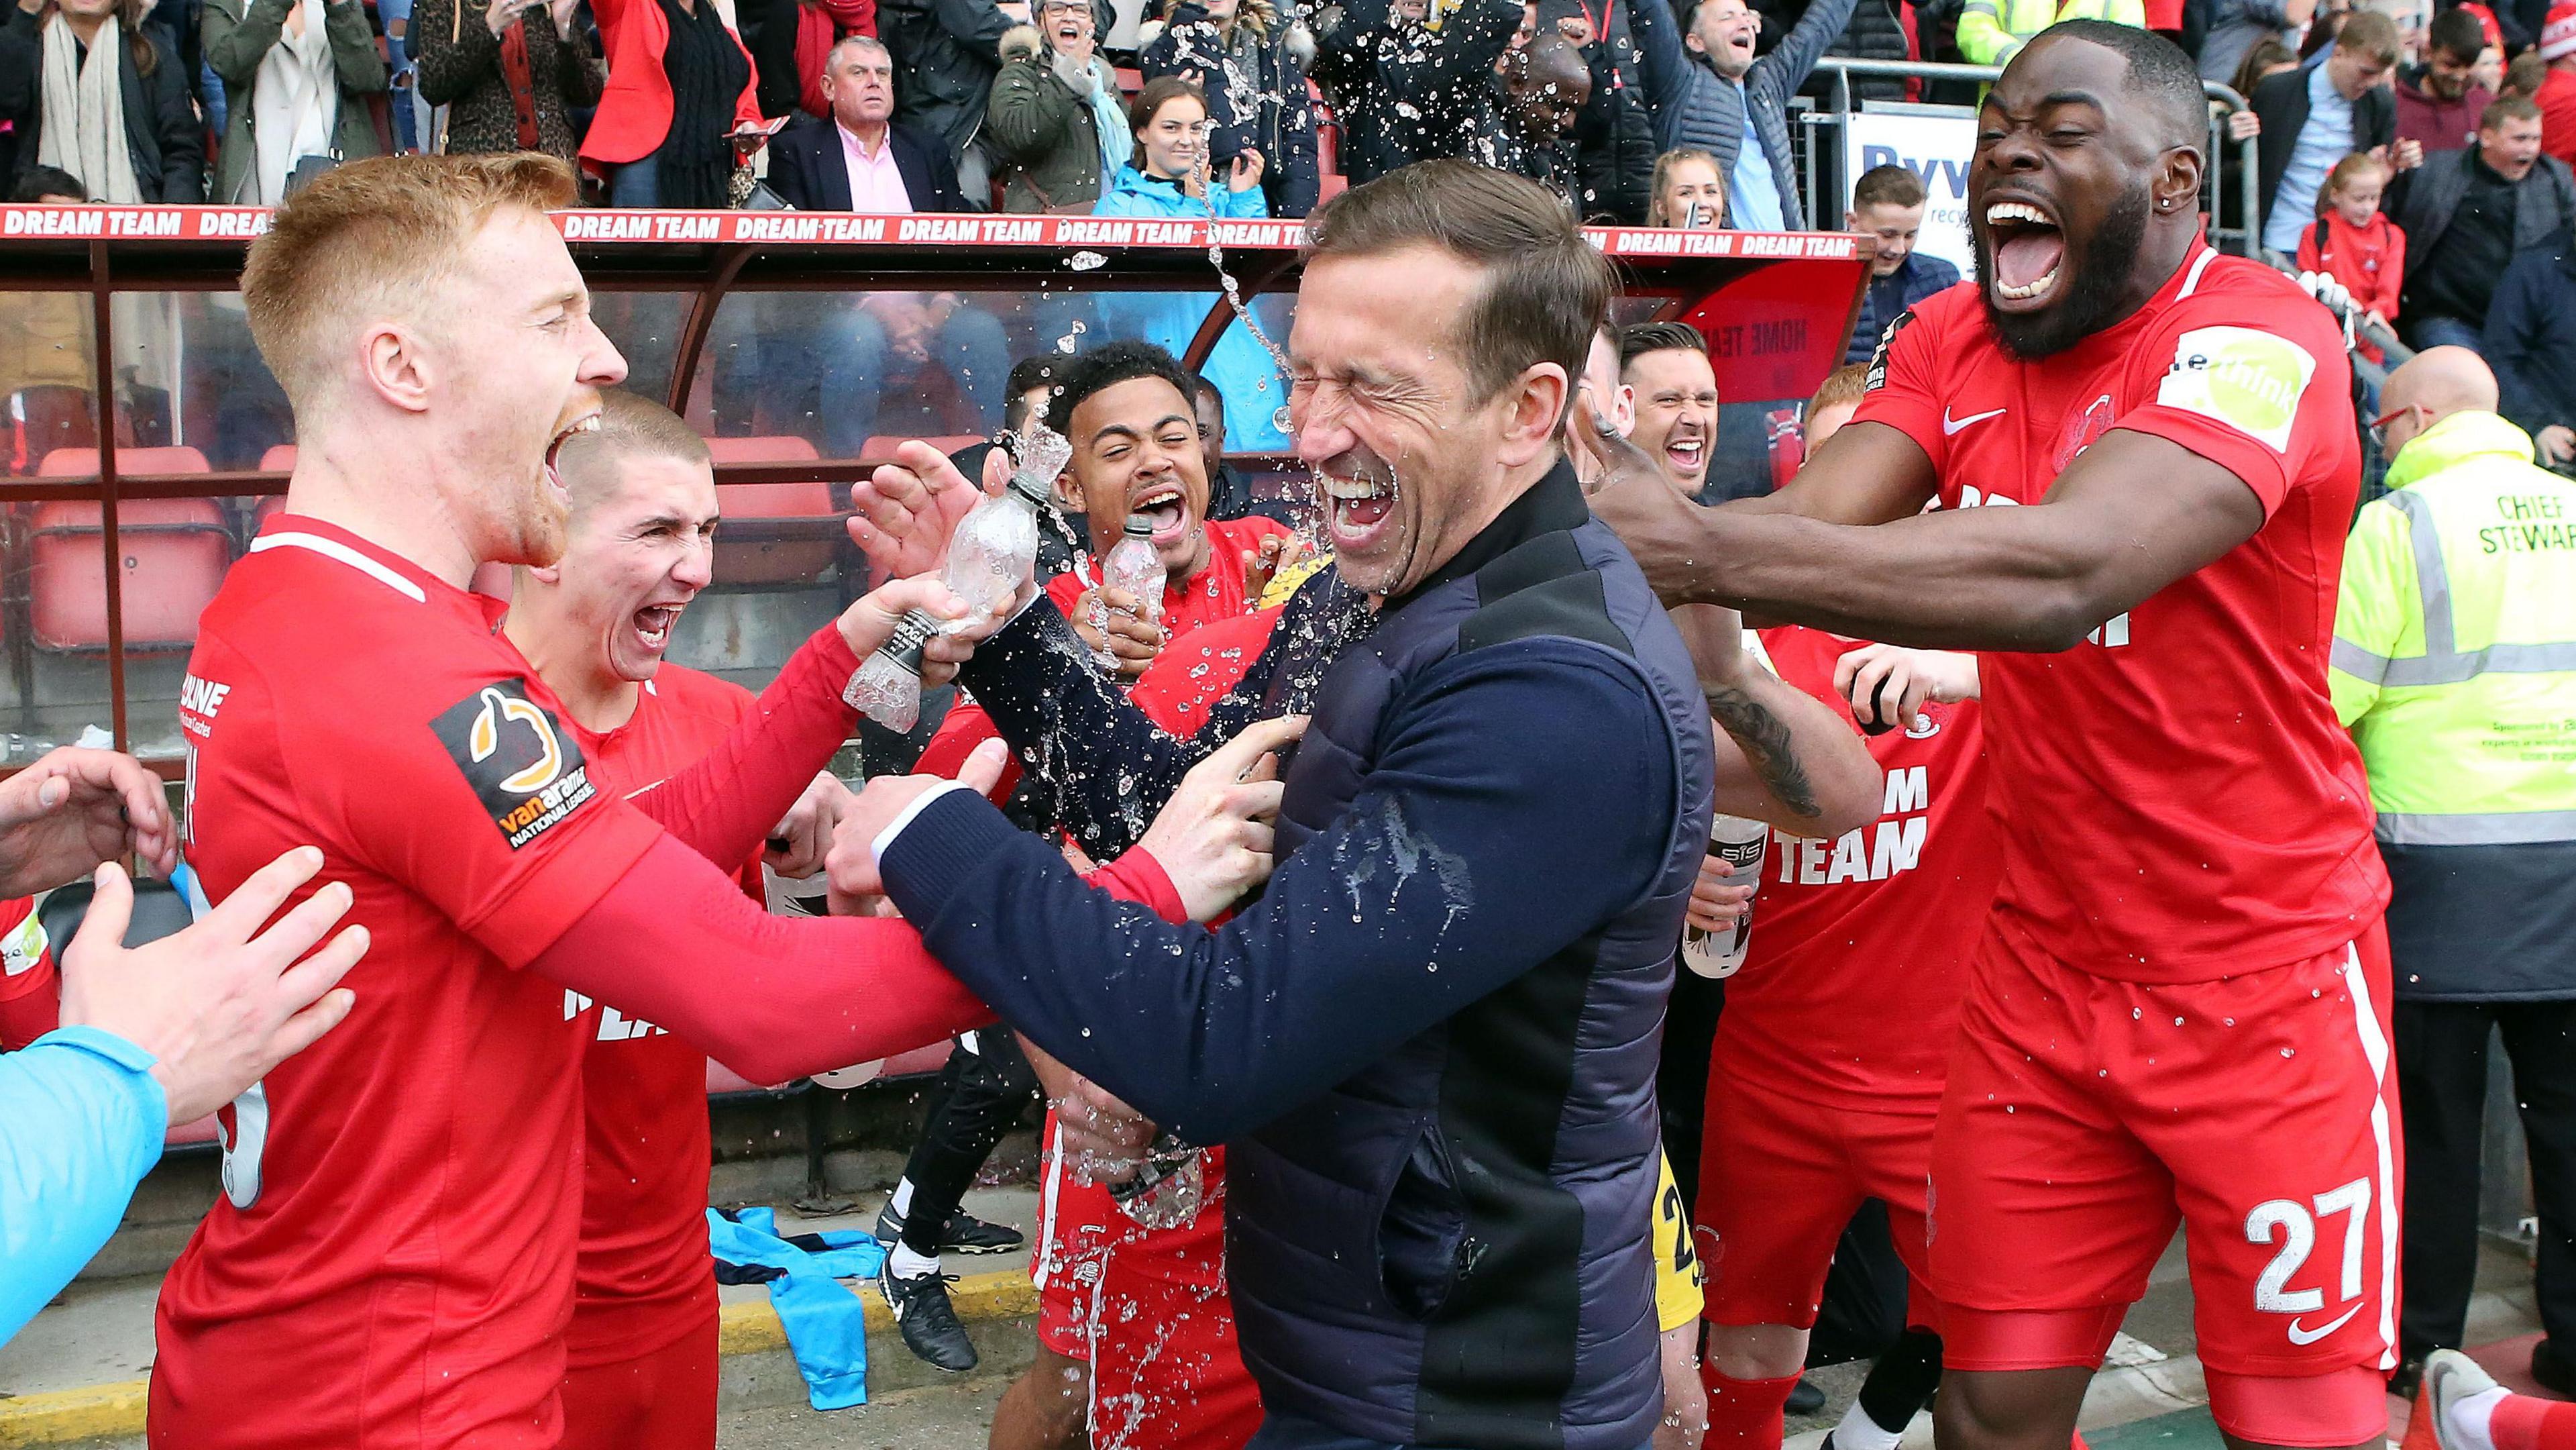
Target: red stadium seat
x=749, y=507
x=173, y=552
x=280, y=458
x=44, y=418
x=1130, y=81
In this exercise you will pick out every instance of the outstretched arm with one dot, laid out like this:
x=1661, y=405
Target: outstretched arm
x=2037, y=577
x=1783, y=758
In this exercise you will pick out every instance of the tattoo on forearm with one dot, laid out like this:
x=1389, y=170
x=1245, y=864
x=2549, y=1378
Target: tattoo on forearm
x=1767, y=745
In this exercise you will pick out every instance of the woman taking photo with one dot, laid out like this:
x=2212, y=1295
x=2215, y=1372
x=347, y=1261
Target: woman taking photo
x=86, y=89
x=297, y=74
x=511, y=73
x=1169, y=177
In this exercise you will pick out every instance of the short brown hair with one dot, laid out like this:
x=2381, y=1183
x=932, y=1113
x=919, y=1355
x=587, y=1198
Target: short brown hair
x=2508, y=108
x=630, y=426
x=1888, y=186
x=1640, y=338
x=376, y=236
x=1842, y=385
x=1545, y=291
x=2370, y=34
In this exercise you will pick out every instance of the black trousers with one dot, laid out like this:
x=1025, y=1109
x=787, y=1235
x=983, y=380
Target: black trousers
x=980, y=1095
x=2442, y=1087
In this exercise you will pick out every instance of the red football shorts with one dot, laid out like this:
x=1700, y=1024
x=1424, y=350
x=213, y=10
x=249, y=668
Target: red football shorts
x=2084, y=1117
x=661, y=1400
x=1779, y=1177
x=1147, y=1310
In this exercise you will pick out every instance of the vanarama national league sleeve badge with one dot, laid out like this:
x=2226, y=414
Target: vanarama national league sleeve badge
x=527, y=772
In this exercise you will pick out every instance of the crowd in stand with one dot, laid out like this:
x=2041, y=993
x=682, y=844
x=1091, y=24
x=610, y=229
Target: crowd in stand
x=2417, y=156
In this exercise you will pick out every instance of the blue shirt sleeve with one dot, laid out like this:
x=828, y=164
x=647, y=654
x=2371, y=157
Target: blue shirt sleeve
x=1446, y=877
x=81, y=1120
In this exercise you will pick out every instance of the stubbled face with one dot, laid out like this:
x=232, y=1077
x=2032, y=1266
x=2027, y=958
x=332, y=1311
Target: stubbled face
x=1895, y=227
x=1724, y=31
x=2511, y=145
x=1676, y=391
x=520, y=364
x=2059, y=194
x=2446, y=75
x=859, y=84
x=1694, y=198
x=1175, y=137
x=638, y=555
x=1136, y=451
x=1409, y=461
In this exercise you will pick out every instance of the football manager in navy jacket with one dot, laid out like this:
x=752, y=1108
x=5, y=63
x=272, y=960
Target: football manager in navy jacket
x=1430, y=1043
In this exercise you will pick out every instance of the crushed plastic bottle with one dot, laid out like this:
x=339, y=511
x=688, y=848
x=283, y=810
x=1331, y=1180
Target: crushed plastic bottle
x=887, y=687
x=996, y=544
x=1167, y=1191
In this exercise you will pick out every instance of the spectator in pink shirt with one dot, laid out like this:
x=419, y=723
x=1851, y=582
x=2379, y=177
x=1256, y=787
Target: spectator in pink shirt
x=822, y=373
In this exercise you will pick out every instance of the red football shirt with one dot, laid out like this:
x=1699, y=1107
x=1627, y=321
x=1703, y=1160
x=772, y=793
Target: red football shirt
x=30, y=992
x=2178, y=801
x=643, y=1278
x=1860, y=945
x=392, y=1263
x=1215, y=592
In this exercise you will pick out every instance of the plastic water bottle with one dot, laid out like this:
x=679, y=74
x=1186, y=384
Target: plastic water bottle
x=1744, y=843
x=1134, y=566
x=1167, y=1191
x=887, y=688
x=991, y=554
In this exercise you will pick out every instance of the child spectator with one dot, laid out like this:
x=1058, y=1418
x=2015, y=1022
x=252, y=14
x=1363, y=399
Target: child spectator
x=2355, y=242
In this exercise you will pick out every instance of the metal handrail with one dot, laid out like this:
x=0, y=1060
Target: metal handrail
x=2249, y=239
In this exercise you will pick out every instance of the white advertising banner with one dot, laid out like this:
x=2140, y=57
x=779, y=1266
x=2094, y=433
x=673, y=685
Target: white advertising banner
x=1934, y=145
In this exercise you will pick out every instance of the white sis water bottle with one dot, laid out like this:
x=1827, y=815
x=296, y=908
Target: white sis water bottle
x=1742, y=843
x=1136, y=567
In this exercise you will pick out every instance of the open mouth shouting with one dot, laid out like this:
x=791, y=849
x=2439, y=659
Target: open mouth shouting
x=652, y=626
x=1358, y=501
x=2028, y=250
x=1169, y=509
x=586, y=423
x=1686, y=452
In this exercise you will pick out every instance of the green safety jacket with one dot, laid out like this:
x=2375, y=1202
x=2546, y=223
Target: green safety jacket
x=2454, y=666
x=1994, y=31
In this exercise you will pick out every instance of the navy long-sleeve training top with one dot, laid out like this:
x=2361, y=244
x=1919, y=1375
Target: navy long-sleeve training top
x=1498, y=824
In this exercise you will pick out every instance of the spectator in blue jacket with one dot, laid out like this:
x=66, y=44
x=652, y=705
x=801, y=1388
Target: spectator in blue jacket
x=1251, y=62
x=1887, y=206
x=1172, y=175
x=1707, y=90
x=2531, y=344
x=161, y=1033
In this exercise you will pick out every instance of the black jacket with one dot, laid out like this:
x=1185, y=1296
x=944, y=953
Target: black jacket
x=2282, y=103
x=1614, y=135
x=946, y=53
x=1263, y=108
x=2528, y=342
x=1875, y=32
x=1406, y=94
x=2423, y=201
x=807, y=171
x=163, y=136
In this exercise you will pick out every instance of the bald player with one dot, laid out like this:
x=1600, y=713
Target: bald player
x=2144, y=455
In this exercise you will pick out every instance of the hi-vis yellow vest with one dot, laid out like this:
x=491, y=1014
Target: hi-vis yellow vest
x=1993, y=31
x=2455, y=642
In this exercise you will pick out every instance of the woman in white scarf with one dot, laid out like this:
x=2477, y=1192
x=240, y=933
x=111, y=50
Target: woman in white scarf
x=297, y=74
x=110, y=104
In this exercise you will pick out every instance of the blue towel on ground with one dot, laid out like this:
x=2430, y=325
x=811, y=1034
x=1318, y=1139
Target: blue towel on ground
x=827, y=1328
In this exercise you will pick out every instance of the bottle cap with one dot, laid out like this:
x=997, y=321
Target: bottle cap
x=1139, y=527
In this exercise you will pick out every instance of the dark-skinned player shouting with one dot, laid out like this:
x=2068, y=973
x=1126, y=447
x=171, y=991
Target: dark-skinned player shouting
x=2144, y=457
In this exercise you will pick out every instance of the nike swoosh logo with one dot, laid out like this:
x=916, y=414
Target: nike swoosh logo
x=1950, y=425
x=2300, y=1336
